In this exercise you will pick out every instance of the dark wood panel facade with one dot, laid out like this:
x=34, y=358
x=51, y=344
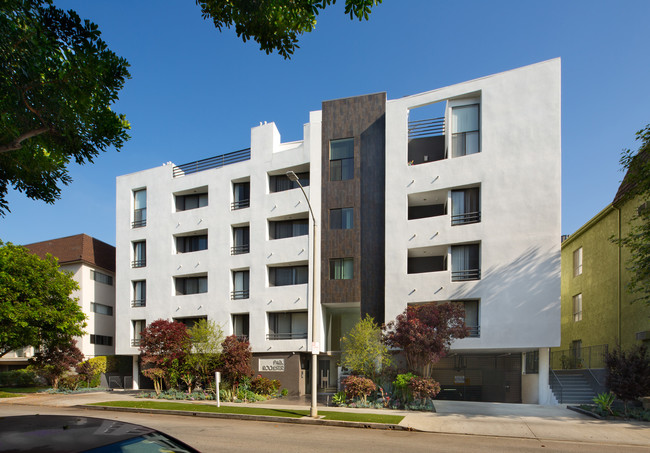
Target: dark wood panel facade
x=363, y=119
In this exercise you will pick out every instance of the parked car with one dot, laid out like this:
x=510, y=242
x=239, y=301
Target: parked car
x=67, y=433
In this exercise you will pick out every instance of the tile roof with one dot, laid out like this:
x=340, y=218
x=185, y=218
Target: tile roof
x=80, y=247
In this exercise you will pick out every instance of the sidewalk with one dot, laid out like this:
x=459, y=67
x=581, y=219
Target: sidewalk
x=452, y=417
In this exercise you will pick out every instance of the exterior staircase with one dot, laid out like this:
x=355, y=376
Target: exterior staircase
x=571, y=387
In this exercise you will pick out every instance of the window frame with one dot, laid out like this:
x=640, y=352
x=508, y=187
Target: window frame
x=341, y=168
x=337, y=216
x=108, y=309
x=340, y=267
x=577, y=261
x=183, y=290
x=296, y=272
x=185, y=240
x=457, y=136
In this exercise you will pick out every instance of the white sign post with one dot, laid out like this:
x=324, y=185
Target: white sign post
x=217, y=381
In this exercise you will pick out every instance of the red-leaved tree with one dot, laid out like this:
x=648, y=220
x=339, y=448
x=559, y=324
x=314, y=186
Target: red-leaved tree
x=55, y=360
x=425, y=332
x=235, y=361
x=163, y=345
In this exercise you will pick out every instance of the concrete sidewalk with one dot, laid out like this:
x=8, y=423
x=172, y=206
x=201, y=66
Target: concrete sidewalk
x=452, y=417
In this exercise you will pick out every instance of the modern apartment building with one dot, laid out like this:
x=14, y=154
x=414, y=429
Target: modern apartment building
x=447, y=195
x=92, y=263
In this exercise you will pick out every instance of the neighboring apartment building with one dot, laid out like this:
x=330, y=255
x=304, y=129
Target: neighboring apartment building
x=410, y=209
x=92, y=263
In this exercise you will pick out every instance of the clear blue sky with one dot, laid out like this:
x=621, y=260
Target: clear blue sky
x=196, y=92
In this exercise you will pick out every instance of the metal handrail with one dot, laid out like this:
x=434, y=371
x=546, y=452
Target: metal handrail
x=426, y=128
x=135, y=342
x=239, y=294
x=138, y=303
x=240, y=204
x=581, y=358
x=240, y=249
x=138, y=263
x=139, y=218
x=474, y=331
x=465, y=274
x=286, y=336
x=557, y=379
x=465, y=218
x=212, y=162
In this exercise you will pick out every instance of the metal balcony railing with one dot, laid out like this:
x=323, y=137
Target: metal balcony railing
x=135, y=342
x=286, y=336
x=239, y=294
x=212, y=162
x=138, y=303
x=139, y=218
x=466, y=274
x=242, y=337
x=139, y=263
x=465, y=218
x=474, y=331
x=426, y=128
x=239, y=249
x=241, y=204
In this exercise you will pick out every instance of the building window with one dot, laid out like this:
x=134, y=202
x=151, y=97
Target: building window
x=137, y=326
x=240, y=326
x=290, y=275
x=139, y=294
x=342, y=219
x=465, y=206
x=288, y=228
x=472, y=317
x=139, y=254
x=187, y=244
x=341, y=269
x=577, y=307
x=192, y=201
x=532, y=362
x=240, y=240
x=139, y=208
x=101, y=309
x=465, y=130
x=191, y=285
x=104, y=340
x=280, y=183
x=341, y=159
x=241, y=195
x=577, y=262
x=465, y=263
x=101, y=278
x=240, y=281
x=287, y=326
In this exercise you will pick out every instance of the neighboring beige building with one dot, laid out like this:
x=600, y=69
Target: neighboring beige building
x=92, y=263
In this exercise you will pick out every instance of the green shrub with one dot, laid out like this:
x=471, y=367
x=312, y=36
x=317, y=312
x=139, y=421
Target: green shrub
x=18, y=378
x=284, y=392
x=604, y=402
x=339, y=398
x=70, y=382
x=264, y=386
x=358, y=387
x=401, y=388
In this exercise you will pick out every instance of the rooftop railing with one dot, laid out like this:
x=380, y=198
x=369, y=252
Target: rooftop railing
x=427, y=128
x=212, y=162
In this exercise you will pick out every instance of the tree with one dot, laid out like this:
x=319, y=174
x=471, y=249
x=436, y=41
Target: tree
x=637, y=241
x=206, y=339
x=54, y=360
x=275, y=24
x=163, y=346
x=36, y=307
x=363, y=351
x=235, y=363
x=58, y=82
x=425, y=332
x=628, y=373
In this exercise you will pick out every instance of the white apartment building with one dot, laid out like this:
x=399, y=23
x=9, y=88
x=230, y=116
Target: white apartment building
x=448, y=195
x=92, y=263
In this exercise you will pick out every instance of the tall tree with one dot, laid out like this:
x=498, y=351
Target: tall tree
x=636, y=185
x=206, y=339
x=54, y=360
x=163, y=344
x=57, y=82
x=236, y=361
x=363, y=351
x=425, y=332
x=276, y=24
x=36, y=307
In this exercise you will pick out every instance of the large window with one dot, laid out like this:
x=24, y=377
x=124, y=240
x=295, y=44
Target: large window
x=240, y=240
x=342, y=219
x=465, y=263
x=465, y=206
x=287, y=326
x=290, y=275
x=341, y=269
x=191, y=285
x=240, y=285
x=101, y=309
x=187, y=244
x=101, y=339
x=288, y=228
x=191, y=201
x=241, y=195
x=101, y=278
x=139, y=254
x=139, y=294
x=280, y=183
x=137, y=326
x=577, y=262
x=472, y=317
x=577, y=307
x=139, y=208
x=240, y=326
x=341, y=159
x=465, y=130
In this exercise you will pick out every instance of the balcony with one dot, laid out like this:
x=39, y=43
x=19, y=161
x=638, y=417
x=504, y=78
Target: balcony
x=466, y=218
x=138, y=303
x=426, y=141
x=239, y=294
x=286, y=336
x=465, y=275
x=240, y=249
x=241, y=204
x=427, y=259
x=135, y=342
x=138, y=263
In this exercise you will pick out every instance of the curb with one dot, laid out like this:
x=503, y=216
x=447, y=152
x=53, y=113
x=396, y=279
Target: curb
x=257, y=418
x=582, y=411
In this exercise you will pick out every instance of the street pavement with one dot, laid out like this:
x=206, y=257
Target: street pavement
x=525, y=421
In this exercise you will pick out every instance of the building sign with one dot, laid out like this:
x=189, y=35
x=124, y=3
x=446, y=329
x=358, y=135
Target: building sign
x=459, y=379
x=271, y=365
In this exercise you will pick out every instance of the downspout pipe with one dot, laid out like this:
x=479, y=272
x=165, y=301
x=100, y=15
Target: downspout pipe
x=619, y=283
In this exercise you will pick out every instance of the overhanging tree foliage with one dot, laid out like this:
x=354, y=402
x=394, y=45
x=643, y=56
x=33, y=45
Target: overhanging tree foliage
x=637, y=241
x=57, y=82
x=276, y=24
x=363, y=351
x=425, y=332
x=36, y=307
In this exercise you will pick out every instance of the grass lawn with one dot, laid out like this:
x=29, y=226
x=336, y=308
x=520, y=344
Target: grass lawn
x=327, y=415
x=22, y=389
x=8, y=394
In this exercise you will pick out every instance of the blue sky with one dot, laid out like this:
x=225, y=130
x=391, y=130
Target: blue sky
x=196, y=92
